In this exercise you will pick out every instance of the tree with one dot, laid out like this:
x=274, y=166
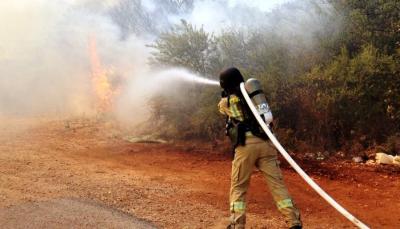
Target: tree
x=191, y=111
x=184, y=46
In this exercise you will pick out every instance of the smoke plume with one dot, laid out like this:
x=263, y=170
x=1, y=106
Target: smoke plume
x=45, y=56
x=47, y=63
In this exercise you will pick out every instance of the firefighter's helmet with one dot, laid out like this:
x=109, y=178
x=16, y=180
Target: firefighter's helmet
x=230, y=80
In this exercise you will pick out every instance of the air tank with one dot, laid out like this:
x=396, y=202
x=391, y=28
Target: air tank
x=254, y=89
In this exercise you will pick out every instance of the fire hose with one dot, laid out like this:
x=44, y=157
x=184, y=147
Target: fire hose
x=296, y=167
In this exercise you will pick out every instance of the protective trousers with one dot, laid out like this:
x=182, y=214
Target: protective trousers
x=261, y=154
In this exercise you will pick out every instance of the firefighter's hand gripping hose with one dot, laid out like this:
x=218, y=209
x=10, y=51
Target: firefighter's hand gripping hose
x=296, y=167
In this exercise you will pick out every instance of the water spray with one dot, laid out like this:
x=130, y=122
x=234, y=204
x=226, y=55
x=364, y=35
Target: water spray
x=296, y=167
x=182, y=74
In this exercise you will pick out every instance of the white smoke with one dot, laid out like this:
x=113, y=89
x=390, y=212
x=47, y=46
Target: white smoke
x=218, y=15
x=44, y=58
x=294, y=25
x=262, y=5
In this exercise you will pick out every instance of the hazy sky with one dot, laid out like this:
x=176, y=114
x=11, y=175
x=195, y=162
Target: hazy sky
x=217, y=15
x=263, y=5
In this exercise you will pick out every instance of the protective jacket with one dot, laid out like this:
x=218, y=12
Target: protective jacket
x=240, y=121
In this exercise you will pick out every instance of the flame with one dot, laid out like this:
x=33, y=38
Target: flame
x=100, y=81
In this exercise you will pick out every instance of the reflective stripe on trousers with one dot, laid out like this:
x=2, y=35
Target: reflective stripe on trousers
x=261, y=154
x=238, y=207
x=286, y=203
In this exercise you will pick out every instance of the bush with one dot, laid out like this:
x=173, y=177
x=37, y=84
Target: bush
x=348, y=87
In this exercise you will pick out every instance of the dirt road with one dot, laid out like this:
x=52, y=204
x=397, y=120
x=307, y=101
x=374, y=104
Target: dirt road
x=54, y=164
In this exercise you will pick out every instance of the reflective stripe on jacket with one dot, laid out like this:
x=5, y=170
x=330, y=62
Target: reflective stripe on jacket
x=234, y=110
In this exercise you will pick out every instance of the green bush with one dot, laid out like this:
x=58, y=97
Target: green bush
x=346, y=87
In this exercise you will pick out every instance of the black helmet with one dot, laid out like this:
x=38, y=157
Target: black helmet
x=230, y=79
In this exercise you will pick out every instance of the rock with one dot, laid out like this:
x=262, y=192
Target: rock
x=310, y=156
x=357, y=159
x=340, y=154
x=383, y=158
x=396, y=160
x=320, y=156
x=145, y=139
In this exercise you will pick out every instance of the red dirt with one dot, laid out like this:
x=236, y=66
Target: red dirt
x=172, y=185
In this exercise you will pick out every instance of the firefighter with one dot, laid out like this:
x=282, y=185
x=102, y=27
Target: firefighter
x=251, y=149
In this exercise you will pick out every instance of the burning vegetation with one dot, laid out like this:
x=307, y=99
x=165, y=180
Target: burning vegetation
x=106, y=85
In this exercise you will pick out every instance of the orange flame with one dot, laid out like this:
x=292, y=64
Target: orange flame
x=101, y=85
